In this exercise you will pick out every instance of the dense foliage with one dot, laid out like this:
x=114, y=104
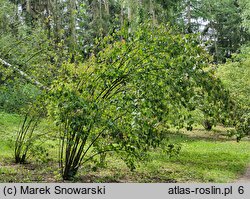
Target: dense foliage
x=235, y=76
x=115, y=75
x=116, y=100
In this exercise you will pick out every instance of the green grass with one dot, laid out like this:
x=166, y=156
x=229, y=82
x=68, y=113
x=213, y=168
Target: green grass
x=206, y=161
x=9, y=124
x=204, y=157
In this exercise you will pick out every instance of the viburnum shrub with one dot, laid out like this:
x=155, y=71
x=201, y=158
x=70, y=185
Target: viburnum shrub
x=117, y=99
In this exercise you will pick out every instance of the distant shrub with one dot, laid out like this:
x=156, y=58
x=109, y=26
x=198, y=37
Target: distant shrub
x=235, y=76
x=14, y=98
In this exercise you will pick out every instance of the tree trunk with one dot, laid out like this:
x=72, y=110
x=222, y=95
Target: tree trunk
x=189, y=28
x=152, y=11
x=24, y=75
x=72, y=29
x=122, y=15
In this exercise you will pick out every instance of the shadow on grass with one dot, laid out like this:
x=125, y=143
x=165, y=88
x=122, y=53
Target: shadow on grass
x=126, y=177
x=212, y=160
x=191, y=136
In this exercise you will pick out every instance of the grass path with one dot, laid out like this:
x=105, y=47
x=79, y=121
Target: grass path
x=246, y=177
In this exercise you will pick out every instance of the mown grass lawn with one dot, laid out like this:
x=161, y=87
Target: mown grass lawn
x=204, y=157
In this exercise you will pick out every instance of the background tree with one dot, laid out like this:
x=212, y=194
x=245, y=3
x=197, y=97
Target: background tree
x=219, y=22
x=245, y=13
